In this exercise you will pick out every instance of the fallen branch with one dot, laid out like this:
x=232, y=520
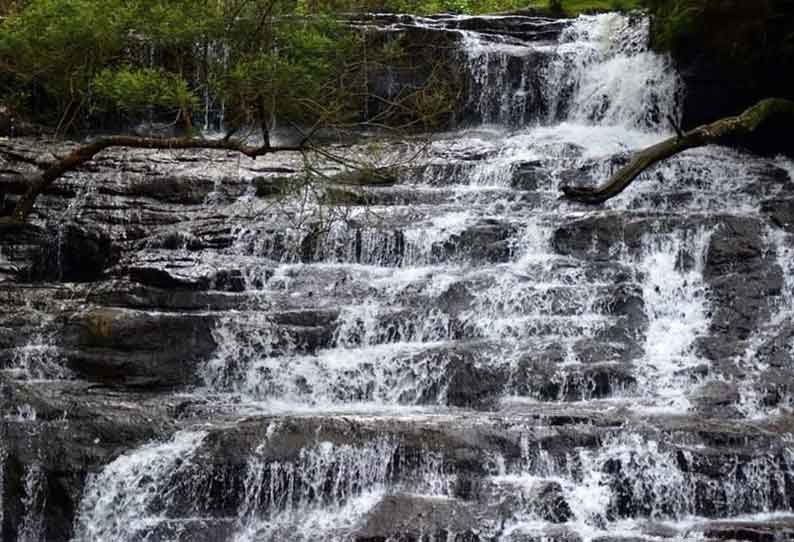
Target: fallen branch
x=39, y=183
x=728, y=131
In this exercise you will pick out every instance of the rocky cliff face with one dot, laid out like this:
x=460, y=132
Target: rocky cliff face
x=198, y=346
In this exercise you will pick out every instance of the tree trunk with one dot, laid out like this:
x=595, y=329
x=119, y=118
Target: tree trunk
x=732, y=131
x=86, y=153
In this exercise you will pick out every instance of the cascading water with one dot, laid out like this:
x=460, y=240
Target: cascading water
x=480, y=352
x=675, y=303
x=130, y=498
x=33, y=502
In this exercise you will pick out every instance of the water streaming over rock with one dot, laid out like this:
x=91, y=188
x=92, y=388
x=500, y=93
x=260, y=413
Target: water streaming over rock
x=130, y=498
x=33, y=504
x=467, y=357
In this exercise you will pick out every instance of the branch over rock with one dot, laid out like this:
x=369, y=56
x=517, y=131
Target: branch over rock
x=85, y=153
x=732, y=131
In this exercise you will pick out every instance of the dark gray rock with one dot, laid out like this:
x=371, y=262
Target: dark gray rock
x=761, y=531
x=487, y=241
x=716, y=399
x=743, y=278
x=179, y=269
x=123, y=346
x=589, y=238
x=547, y=500
x=474, y=386
x=551, y=534
x=780, y=212
x=191, y=530
x=57, y=434
x=621, y=539
x=68, y=252
x=268, y=187
x=408, y=518
x=545, y=376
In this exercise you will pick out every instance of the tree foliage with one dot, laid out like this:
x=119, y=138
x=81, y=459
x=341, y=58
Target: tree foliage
x=743, y=32
x=267, y=63
x=77, y=60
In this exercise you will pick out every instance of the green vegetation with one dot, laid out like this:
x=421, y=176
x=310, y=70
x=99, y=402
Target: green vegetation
x=71, y=61
x=78, y=64
x=474, y=7
x=87, y=62
x=743, y=30
x=752, y=40
x=84, y=61
x=576, y=7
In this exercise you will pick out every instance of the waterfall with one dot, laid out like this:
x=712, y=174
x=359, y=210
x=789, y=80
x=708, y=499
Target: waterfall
x=613, y=77
x=33, y=504
x=131, y=496
x=675, y=303
x=600, y=71
x=328, y=487
x=467, y=357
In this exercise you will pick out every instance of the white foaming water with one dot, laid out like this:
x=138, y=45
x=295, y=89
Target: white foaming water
x=24, y=413
x=34, y=501
x=400, y=373
x=247, y=341
x=374, y=323
x=617, y=80
x=422, y=243
x=328, y=486
x=40, y=358
x=131, y=495
x=319, y=524
x=600, y=72
x=675, y=303
x=327, y=489
x=494, y=95
x=632, y=478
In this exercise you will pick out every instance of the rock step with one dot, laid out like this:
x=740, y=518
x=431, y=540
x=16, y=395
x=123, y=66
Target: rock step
x=655, y=467
x=511, y=288
x=475, y=374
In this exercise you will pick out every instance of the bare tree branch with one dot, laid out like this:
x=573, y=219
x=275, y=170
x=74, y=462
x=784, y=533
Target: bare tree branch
x=727, y=131
x=86, y=153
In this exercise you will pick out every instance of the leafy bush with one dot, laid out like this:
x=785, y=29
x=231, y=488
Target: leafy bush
x=133, y=90
x=741, y=32
x=263, y=59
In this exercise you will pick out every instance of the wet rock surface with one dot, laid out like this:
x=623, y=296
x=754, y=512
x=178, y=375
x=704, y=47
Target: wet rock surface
x=191, y=348
x=410, y=518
